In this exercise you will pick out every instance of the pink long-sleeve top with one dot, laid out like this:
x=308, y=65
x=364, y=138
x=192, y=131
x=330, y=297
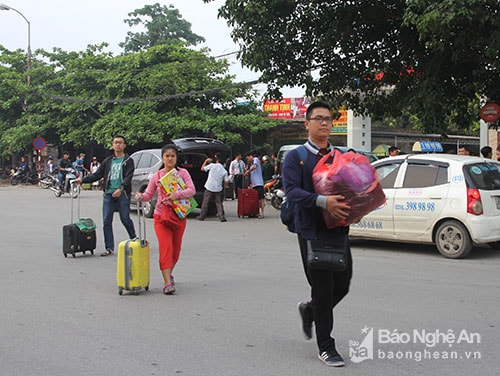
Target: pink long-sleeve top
x=154, y=186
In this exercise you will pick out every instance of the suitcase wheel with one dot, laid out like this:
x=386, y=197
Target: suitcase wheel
x=65, y=254
x=146, y=288
x=120, y=290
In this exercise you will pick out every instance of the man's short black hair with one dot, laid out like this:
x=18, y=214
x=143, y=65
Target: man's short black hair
x=120, y=136
x=393, y=148
x=317, y=104
x=485, y=150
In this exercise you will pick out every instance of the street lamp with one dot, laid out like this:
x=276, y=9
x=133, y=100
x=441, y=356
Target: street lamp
x=6, y=7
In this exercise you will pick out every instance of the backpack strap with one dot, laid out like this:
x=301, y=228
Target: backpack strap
x=302, y=154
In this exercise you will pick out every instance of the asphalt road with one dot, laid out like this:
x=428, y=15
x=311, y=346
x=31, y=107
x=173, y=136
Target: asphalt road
x=238, y=284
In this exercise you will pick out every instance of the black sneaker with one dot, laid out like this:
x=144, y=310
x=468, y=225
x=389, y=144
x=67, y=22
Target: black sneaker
x=331, y=358
x=306, y=315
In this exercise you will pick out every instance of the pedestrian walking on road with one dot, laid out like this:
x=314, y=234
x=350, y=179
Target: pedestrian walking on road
x=327, y=287
x=169, y=238
x=116, y=171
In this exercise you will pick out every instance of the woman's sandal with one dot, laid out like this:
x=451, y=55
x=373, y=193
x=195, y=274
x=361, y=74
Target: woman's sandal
x=107, y=253
x=168, y=289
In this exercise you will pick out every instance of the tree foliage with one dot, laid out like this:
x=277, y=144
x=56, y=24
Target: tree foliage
x=162, y=24
x=428, y=58
x=150, y=96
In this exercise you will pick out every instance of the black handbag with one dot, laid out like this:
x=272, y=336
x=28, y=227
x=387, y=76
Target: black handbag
x=329, y=251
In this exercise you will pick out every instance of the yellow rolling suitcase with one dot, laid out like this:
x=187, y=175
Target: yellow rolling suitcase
x=133, y=261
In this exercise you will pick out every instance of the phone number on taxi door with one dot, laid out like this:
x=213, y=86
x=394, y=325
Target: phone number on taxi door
x=416, y=206
x=369, y=224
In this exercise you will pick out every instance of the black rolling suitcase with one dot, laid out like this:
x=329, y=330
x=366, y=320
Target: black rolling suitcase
x=79, y=236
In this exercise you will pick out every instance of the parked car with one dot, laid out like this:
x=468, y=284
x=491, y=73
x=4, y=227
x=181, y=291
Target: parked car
x=192, y=152
x=451, y=201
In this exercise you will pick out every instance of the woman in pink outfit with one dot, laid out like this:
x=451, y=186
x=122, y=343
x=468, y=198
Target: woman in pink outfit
x=169, y=239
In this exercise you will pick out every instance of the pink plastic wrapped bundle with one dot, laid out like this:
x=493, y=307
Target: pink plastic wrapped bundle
x=352, y=176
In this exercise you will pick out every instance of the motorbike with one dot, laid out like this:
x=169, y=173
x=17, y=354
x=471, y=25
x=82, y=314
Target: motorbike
x=6, y=173
x=22, y=177
x=273, y=192
x=69, y=186
x=48, y=180
x=278, y=198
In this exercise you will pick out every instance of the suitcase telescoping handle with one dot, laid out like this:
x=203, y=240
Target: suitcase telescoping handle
x=77, y=210
x=141, y=222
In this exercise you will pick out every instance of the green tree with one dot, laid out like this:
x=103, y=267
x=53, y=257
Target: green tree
x=16, y=133
x=162, y=24
x=166, y=91
x=425, y=57
x=151, y=96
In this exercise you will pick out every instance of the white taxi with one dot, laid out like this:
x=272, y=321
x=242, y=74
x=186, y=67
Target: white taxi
x=452, y=201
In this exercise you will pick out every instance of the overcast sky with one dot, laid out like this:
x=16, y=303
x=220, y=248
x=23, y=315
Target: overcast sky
x=74, y=24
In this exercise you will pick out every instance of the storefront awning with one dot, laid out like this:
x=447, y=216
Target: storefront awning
x=427, y=147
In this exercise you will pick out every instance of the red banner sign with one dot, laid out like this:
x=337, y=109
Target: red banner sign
x=287, y=108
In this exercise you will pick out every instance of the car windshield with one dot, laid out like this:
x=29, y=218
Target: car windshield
x=484, y=175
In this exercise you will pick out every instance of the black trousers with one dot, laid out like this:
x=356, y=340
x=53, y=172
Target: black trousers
x=238, y=184
x=327, y=290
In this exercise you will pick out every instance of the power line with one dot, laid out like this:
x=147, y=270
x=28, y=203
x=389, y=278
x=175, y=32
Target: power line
x=148, y=99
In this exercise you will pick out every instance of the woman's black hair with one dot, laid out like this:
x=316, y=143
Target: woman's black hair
x=169, y=147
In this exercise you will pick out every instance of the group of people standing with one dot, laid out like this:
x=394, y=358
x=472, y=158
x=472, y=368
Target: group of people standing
x=486, y=152
x=78, y=165
x=249, y=171
x=252, y=171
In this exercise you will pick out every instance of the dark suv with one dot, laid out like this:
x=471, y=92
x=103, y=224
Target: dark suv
x=192, y=152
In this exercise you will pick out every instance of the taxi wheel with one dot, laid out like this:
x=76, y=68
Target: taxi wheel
x=452, y=240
